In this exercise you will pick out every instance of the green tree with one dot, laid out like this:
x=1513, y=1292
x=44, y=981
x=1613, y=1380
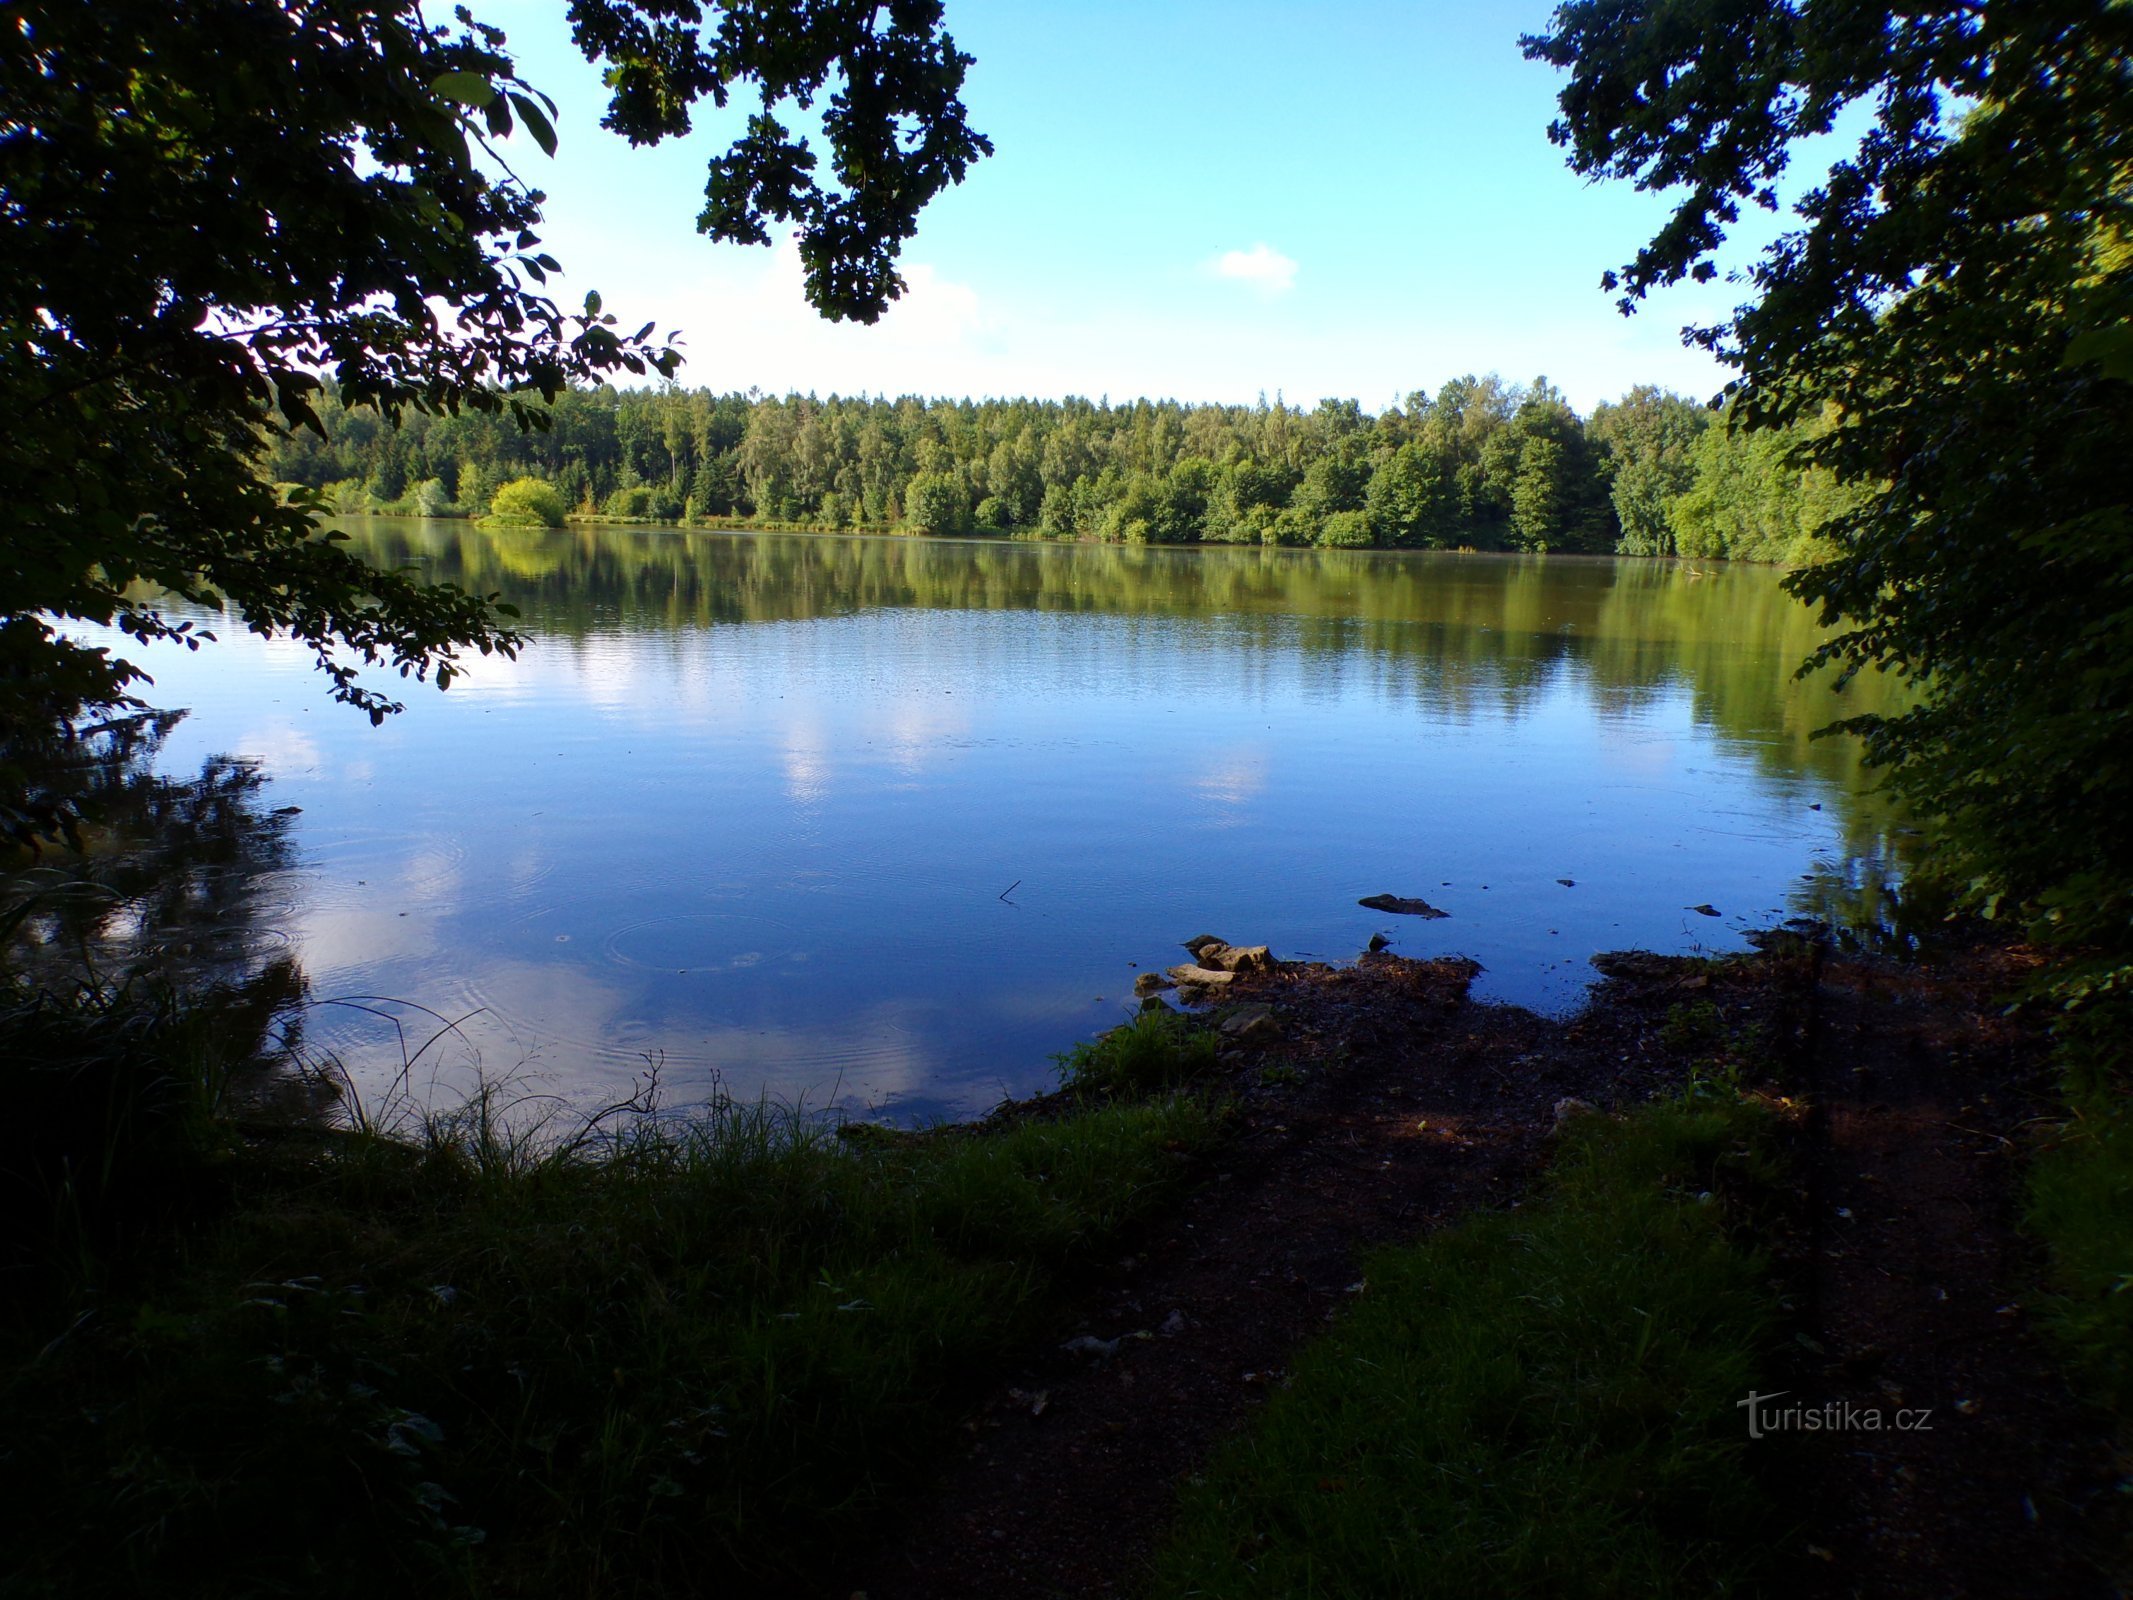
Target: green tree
x=1540, y=495
x=1411, y=500
x=428, y=498
x=476, y=484
x=937, y=502
x=1751, y=499
x=1345, y=530
x=214, y=210
x=1557, y=500
x=1331, y=483
x=1957, y=298
x=635, y=501
x=526, y=503
x=1648, y=441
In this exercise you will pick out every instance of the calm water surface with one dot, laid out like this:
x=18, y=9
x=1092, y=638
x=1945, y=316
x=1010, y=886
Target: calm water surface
x=889, y=821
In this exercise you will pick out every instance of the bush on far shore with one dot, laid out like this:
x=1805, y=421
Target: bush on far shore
x=526, y=503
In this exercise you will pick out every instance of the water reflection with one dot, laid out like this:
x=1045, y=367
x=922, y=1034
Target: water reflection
x=750, y=804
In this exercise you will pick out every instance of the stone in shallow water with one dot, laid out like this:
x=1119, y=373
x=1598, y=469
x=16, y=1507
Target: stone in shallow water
x=1206, y=976
x=1402, y=905
x=1238, y=958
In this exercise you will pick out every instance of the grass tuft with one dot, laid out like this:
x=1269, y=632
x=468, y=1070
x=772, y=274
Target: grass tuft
x=1157, y=1050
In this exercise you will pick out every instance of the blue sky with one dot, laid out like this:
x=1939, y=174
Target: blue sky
x=1191, y=200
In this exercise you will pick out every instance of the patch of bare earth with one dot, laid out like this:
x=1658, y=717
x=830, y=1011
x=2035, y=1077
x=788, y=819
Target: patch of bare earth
x=1921, y=1289
x=1387, y=1104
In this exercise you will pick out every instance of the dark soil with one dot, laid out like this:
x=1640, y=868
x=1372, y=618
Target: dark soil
x=1920, y=1295
x=1389, y=1104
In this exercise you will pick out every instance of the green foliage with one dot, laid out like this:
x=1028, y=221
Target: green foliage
x=1557, y=497
x=1333, y=482
x=1944, y=332
x=1541, y=1402
x=1157, y=1050
x=526, y=503
x=936, y=502
x=2081, y=1204
x=1411, y=500
x=1345, y=530
x=653, y=1356
x=1481, y=464
x=896, y=136
x=1691, y=1025
x=429, y=498
x=639, y=502
x=1752, y=498
x=214, y=209
x=1649, y=440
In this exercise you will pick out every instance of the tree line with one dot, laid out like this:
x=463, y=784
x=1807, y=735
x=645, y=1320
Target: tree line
x=1481, y=464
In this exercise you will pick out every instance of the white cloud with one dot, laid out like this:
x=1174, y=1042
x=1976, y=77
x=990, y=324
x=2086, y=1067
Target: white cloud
x=746, y=321
x=1263, y=267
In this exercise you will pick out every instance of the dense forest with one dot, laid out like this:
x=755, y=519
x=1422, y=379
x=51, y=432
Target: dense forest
x=1482, y=464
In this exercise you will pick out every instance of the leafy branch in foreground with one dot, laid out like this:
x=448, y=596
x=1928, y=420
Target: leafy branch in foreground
x=210, y=213
x=1957, y=303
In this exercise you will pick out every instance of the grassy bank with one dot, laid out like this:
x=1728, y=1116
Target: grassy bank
x=2081, y=1208
x=670, y=1354
x=1542, y=1401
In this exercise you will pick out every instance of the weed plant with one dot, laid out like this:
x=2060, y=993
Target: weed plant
x=1157, y=1050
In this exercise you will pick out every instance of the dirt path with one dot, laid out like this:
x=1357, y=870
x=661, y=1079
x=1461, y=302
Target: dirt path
x=1414, y=1107
x=1392, y=1104
x=1917, y=1275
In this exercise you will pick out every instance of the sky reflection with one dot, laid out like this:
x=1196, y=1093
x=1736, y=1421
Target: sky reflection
x=764, y=839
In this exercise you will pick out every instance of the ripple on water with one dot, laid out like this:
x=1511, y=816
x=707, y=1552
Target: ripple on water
x=704, y=941
x=368, y=868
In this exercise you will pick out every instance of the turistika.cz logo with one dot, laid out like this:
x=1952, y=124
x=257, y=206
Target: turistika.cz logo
x=1832, y=1416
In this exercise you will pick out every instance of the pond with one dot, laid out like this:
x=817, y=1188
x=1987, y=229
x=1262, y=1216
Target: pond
x=886, y=822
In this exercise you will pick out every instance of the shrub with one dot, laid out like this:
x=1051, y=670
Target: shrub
x=937, y=502
x=634, y=502
x=1346, y=530
x=526, y=503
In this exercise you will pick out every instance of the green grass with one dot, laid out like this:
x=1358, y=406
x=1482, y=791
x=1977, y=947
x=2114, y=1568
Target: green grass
x=2081, y=1206
x=1157, y=1050
x=117, y=1113
x=1538, y=1402
x=669, y=1356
